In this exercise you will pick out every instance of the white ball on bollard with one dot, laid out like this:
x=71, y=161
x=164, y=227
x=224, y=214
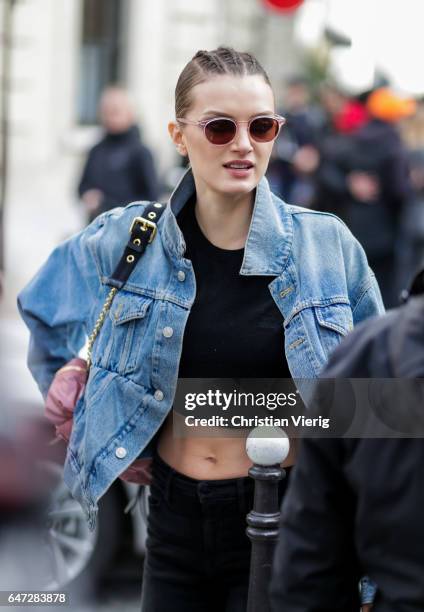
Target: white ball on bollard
x=267, y=445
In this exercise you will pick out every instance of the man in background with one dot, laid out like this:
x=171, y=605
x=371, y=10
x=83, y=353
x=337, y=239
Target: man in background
x=295, y=158
x=354, y=506
x=119, y=169
x=363, y=175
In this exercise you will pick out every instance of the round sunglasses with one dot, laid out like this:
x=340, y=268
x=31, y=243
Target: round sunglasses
x=223, y=130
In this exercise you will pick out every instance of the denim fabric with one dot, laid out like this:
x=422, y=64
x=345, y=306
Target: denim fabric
x=198, y=553
x=368, y=590
x=323, y=287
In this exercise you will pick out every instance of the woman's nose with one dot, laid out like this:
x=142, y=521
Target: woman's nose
x=242, y=140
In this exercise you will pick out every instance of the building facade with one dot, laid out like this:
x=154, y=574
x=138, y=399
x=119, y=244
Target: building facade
x=65, y=51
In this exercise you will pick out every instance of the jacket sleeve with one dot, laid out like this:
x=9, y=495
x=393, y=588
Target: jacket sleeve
x=369, y=302
x=56, y=305
x=315, y=568
x=363, y=290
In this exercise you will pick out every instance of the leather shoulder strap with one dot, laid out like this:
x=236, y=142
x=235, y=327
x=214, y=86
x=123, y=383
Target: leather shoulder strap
x=142, y=232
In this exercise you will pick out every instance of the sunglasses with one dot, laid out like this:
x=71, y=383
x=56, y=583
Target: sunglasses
x=223, y=130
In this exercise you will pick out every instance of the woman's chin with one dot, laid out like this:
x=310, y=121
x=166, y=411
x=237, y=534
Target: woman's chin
x=237, y=186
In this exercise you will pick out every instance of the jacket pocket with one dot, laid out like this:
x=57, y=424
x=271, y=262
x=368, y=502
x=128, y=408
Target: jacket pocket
x=124, y=332
x=334, y=321
x=313, y=333
x=337, y=317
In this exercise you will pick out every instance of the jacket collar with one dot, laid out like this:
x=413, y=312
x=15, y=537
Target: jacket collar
x=270, y=234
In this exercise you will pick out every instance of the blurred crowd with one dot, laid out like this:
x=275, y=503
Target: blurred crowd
x=361, y=158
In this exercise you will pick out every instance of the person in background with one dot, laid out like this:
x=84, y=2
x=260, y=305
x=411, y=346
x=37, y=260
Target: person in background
x=411, y=247
x=119, y=169
x=295, y=158
x=363, y=178
x=345, y=114
x=354, y=506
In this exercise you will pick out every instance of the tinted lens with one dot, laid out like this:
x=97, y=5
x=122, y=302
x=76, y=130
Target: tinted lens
x=264, y=129
x=220, y=131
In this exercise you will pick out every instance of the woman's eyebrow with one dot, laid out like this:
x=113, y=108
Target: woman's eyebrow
x=217, y=113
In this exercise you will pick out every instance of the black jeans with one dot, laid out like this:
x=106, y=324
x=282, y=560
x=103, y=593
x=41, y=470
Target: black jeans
x=198, y=553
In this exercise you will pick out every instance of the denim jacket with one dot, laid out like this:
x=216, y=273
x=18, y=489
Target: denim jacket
x=320, y=282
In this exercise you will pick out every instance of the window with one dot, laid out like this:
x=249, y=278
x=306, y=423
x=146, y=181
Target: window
x=100, y=55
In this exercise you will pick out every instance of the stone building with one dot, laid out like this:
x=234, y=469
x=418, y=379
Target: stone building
x=64, y=52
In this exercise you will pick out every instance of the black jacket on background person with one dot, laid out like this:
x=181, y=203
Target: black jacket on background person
x=355, y=506
x=375, y=149
x=122, y=168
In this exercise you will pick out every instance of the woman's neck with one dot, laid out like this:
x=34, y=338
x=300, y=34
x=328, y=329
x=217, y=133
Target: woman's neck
x=225, y=220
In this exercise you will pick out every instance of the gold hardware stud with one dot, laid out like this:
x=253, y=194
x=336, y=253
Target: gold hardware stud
x=152, y=215
x=143, y=225
x=286, y=291
x=130, y=258
x=137, y=242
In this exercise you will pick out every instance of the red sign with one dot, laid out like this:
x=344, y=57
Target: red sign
x=282, y=6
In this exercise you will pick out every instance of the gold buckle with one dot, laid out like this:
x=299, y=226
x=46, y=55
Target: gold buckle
x=144, y=223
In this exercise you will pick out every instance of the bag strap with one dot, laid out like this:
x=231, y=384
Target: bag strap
x=142, y=232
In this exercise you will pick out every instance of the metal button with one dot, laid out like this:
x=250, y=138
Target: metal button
x=158, y=395
x=121, y=452
x=181, y=276
x=285, y=292
x=167, y=332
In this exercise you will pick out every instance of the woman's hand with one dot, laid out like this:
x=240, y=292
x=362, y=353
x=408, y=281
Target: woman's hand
x=366, y=608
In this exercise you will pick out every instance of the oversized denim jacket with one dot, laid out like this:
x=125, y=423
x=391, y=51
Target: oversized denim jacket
x=320, y=281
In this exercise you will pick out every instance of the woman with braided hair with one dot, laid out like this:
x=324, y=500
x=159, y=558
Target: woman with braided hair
x=235, y=283
x=225, y=124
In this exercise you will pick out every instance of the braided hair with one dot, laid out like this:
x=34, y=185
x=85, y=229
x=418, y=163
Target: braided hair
x=223, y=60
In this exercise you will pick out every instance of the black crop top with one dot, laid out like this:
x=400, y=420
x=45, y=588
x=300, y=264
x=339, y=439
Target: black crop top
x=235, y=328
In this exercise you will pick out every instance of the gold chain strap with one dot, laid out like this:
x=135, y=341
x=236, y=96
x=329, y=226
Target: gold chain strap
x=106, y=306
x=99, y=323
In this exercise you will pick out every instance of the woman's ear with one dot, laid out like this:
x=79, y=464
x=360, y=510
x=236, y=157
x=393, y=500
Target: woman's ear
x=177, y=137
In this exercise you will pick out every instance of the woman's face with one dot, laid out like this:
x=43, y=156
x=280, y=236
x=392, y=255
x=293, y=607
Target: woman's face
x=241, y=98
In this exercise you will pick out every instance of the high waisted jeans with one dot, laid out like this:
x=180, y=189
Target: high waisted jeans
x=198, y=553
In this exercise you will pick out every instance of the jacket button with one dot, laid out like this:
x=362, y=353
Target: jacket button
x=167, y=332
x=181, y=276
x=158, y=395
x=121, y=452
x=286, y=291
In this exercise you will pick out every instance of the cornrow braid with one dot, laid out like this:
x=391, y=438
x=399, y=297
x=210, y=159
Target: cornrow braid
x=210, y=62
x=223, y=60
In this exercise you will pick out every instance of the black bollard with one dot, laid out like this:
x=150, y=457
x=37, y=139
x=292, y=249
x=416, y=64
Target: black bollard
x=263, y=520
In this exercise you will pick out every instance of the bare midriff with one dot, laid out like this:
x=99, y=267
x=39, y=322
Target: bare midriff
x=208, y=458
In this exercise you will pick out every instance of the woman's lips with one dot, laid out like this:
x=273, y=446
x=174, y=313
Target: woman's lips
x=239, y=172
